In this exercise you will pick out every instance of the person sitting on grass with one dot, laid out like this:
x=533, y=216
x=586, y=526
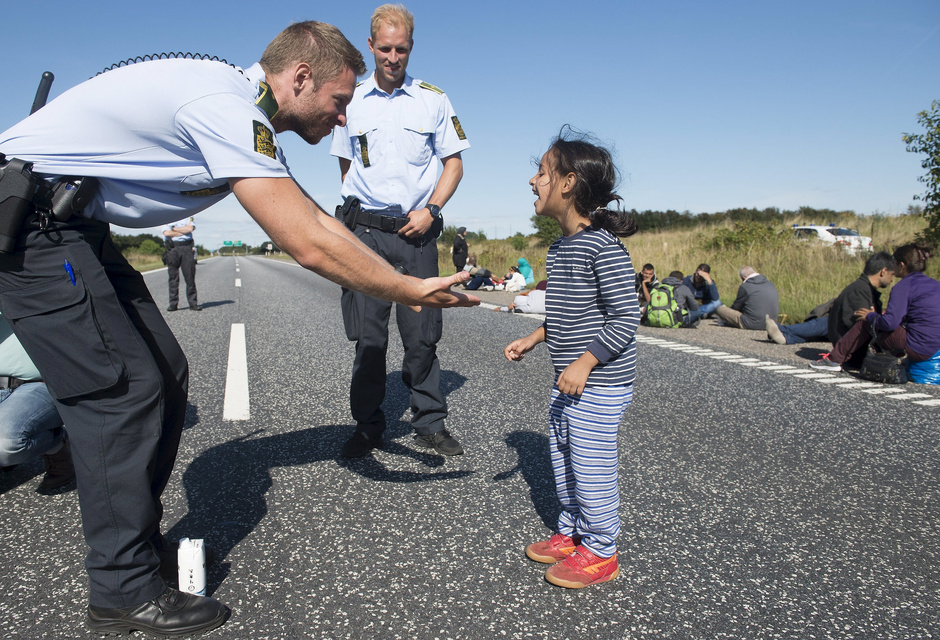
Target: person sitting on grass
x=832, y=320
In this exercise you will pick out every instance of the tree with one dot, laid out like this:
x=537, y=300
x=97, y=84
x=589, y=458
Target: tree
x=519, y=241
x=928, y=143
x=547, y=230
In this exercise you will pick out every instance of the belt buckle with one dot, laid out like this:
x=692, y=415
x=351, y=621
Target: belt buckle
x=387, y=223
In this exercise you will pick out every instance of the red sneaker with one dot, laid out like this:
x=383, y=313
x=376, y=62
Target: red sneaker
x=582, y=568
x=550, y=551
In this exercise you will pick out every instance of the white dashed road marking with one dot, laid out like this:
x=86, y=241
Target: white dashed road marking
x=836, y=381
x=236, y=403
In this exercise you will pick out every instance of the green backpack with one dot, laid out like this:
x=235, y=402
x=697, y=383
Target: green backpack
x=663, y=310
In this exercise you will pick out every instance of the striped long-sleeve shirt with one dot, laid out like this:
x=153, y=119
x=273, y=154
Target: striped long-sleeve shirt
x=591, y=305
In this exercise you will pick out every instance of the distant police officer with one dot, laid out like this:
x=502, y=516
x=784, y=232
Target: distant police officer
x=181, y=255
x=388, y=154
x=164, y=138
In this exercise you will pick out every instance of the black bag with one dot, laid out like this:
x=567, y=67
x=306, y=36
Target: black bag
x=881, y=366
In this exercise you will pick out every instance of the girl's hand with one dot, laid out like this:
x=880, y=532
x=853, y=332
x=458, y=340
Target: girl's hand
x=574, y=377
x=516, y=349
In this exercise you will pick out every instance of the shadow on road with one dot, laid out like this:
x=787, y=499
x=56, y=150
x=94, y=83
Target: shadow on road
x=536, y=469
x=226, y=486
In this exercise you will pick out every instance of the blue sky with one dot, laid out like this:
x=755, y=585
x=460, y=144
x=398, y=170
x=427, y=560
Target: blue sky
x=708, y=105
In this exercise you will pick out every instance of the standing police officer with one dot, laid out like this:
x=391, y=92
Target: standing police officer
x=181, y=254
x=162, y=138
x=397, y=128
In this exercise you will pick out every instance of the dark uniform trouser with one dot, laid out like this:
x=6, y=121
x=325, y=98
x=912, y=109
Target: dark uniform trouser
x=366, y=320
x=120, y=380
x=181, y=256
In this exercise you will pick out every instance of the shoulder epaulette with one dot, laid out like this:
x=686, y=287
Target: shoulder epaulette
x=430, y=87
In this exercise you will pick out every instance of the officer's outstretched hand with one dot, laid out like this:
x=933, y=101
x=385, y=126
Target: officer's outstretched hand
x=438, y=293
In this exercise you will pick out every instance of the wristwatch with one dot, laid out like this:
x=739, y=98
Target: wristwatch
x=434, y=209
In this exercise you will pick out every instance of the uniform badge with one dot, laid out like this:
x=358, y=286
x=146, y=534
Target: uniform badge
x=364, y=149
x=460, y=133
x=264, y=140
x=430, y=87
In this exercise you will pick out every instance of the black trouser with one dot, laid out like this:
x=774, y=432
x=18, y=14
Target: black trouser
x=180, y=256
x=366, y=320
x=120, y=383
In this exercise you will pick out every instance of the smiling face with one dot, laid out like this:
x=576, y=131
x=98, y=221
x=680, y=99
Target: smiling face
x=322, y=108
x=547, y=187
x=391, y=47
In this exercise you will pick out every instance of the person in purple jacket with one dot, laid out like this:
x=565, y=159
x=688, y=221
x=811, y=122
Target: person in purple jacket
x=910, y=325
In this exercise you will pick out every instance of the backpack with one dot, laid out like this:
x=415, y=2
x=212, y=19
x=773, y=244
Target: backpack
x=663, y=310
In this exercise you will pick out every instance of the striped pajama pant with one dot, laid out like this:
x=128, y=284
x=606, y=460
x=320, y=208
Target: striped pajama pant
x=583, y=443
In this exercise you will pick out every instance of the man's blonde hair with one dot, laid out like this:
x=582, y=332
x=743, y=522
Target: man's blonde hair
x=394, y=15
x=318, y=44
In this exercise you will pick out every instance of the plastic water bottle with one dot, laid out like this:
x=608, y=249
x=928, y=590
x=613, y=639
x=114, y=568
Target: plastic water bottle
x=192, y=567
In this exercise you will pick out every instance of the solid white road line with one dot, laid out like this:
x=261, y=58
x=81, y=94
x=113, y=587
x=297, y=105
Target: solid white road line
x=236, y=377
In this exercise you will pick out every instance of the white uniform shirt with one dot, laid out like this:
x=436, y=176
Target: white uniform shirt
x=186, y=222
x=393, y=142
x=162, y=137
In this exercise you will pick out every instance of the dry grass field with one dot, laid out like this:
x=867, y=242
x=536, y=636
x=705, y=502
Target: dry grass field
x=805, y=274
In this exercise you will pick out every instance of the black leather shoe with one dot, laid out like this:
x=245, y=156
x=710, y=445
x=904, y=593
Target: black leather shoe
x=195, y=308
x=172, y=615
x=172, y=307
x=441, y=441
x=360, y=444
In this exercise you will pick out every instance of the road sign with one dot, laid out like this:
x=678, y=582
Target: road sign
x=227, y=243
x=238, y=243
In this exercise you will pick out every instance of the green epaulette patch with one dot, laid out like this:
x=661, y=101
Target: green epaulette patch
x=266, y=100
x=430, y=87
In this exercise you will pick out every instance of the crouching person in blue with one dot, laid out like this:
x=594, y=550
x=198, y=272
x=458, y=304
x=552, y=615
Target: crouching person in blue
x=30, y=426
x=164, y=139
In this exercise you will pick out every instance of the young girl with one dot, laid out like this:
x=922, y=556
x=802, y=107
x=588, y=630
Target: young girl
x=591, y=319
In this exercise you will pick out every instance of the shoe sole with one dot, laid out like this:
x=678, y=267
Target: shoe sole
x=120, y=627
x=560, y=582
x=544, y=559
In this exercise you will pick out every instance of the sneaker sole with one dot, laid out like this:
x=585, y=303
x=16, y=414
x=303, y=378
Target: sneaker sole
x=543, y=559
x=568, y=584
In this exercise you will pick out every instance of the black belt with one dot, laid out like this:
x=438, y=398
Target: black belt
x=182, y=243
x=9, y=382
x=392, y=224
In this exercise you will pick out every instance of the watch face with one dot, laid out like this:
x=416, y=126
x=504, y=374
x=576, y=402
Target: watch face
x=435, y=210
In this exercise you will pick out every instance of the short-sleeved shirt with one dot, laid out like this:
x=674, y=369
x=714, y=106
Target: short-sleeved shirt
x=185, y=222
x=162, y=137
x=393, y=143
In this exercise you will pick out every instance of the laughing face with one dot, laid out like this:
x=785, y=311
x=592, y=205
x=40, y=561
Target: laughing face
x=545, y=186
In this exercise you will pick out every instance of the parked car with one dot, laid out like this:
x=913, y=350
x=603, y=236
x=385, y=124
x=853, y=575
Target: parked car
x=848, y=239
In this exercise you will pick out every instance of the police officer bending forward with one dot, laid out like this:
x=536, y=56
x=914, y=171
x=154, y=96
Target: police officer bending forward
x=165, y=138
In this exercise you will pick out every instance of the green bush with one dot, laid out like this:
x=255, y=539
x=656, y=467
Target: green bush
x=150, y=247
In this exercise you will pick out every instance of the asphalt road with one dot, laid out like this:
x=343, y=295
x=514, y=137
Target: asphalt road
x=756, y=503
